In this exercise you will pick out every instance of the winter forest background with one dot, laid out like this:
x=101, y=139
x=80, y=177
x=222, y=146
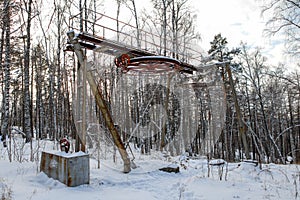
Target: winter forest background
x=259, y=103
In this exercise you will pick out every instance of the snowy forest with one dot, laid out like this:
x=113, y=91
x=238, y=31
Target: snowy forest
x=130, y=86
x=237, y=106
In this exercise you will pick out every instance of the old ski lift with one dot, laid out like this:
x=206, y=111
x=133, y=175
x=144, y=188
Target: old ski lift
x=132, y=56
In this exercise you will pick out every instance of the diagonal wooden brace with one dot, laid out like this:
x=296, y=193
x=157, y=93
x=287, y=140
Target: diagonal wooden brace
x=72, y=39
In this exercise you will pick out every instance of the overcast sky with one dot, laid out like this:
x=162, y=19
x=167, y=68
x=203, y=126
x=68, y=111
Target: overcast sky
x=237, y=20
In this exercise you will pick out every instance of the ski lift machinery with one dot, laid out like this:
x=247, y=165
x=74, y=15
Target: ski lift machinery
x=169, y=99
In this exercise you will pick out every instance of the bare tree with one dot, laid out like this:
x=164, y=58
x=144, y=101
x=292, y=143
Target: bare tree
x=254, y=68
x=183, y=27
x=162, y=7
x=284, y=19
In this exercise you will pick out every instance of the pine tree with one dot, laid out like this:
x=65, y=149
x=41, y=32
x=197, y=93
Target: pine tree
x=221, y=53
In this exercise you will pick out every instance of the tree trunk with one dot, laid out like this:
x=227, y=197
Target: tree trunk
x=136, y=24
x=271, y=139
x=7, y=63
x=2, y=68
x=165, y=6
x=241, y=125
x=27, y=125
x=291, y=135
x=118, y=24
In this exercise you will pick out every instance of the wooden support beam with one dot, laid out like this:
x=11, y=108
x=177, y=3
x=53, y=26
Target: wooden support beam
x=242, y=127
x=109, y=122
x=100, y=102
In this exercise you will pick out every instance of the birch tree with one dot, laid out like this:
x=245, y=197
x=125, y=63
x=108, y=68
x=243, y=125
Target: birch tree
x=27, y=98
x=7, y=64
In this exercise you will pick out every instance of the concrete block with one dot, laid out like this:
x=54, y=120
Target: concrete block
x=70, y=169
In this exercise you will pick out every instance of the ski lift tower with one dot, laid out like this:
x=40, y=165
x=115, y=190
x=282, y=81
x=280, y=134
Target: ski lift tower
x=131, y=54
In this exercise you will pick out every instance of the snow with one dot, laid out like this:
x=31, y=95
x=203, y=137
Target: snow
x=66, y=155
x=198, y=180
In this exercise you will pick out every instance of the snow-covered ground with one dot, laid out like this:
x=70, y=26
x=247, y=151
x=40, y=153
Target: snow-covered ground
x=22, y=181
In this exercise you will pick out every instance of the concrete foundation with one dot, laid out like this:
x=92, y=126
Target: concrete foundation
x=70, y=169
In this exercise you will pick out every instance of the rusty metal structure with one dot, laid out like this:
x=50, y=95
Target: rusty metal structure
x=71, y=169
x=152, y=74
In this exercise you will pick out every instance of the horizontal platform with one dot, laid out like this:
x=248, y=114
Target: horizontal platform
x=102, y=45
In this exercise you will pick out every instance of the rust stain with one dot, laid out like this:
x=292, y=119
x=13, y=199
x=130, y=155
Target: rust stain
x=69, y=183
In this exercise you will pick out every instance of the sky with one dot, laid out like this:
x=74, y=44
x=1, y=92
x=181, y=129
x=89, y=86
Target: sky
x=238, y=21
x=235, y=19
